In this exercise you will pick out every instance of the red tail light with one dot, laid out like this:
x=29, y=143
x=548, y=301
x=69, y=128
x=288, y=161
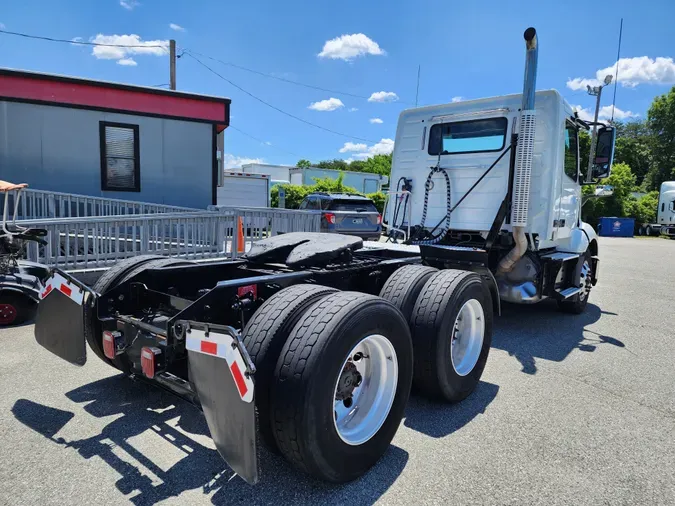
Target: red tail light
x=330, y=218
x=111, y=342
x=379, y=219
x=149, y=359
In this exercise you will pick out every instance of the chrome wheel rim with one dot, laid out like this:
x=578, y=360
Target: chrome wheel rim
x=365, y=389
x=467, y=337
x=585, y=280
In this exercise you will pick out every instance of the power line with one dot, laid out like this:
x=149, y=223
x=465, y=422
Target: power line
x=189, y=53
x=290, y=81
x=80, y=42
x=263, y=142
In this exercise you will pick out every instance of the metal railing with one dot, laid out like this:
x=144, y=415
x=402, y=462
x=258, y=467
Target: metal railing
x=100, y=241
x=37, y=204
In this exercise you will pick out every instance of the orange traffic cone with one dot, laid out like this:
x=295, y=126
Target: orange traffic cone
x=241, y=245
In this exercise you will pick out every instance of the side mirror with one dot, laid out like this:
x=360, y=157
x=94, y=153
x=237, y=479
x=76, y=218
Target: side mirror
x=604, y=153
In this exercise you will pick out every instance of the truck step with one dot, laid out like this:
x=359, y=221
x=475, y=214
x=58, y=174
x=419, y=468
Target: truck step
x=569, y=292
x=560, y=256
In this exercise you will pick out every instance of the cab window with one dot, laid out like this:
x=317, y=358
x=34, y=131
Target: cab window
x=571, y=152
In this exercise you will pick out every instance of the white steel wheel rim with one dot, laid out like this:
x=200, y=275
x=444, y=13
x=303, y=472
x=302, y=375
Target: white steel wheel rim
x=585, y=280
x=467, y=337
x=374, y=360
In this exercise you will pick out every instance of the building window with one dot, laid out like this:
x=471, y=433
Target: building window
x=120, y=160
x=571, y=152
x=474, y=136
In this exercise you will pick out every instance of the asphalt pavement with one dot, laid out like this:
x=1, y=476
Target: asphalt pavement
x=570, y=410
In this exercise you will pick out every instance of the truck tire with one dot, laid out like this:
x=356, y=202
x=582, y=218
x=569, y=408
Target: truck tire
x=265, y=335
x=15, y=308
x=341, y=385
x=404, y=285
x=451, y=326
x=577, y=304
x=117, y=274
x=649, y=230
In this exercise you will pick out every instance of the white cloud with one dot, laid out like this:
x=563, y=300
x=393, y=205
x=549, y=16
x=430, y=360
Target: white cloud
x=75, y=40
x=457, y=99
x=329, y=104
x=351, y=146
x=383, y=96
x=376, y=121
x=632, y=72
x=235, y=162
x=363, y=151
x=579, y=83
x=353, y=109
x=176, y=27
x=129, y=4
x=127, y=61
x=141, y=47
x=605, y=113
x=347, y=47
x=2, y=26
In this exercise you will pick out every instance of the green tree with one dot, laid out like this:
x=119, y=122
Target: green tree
x=633, y=140
x=661, y=124
x=303, y=164
x=644, y=209
x=335, y=164
x=619, y=204
x=379, y=164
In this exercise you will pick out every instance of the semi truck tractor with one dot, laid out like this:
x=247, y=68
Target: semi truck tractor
x=311, y=342
x=665, y=213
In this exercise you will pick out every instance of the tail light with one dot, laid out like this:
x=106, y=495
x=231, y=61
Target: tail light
x=379, y=219
x=150, y=360
x=330, y=218
x=112, y=342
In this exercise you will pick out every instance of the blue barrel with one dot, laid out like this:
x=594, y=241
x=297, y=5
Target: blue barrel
x=616, y=227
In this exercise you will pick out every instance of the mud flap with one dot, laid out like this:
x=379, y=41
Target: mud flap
x=222, y=374
x=59, y=323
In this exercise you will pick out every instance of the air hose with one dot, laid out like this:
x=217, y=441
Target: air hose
x=422, y=236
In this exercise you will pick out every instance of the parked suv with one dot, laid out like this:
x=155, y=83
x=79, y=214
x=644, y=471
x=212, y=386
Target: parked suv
x=345, y=213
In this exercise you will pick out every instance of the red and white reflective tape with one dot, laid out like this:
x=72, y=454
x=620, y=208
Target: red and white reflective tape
x=58, y=282
x=220, y=345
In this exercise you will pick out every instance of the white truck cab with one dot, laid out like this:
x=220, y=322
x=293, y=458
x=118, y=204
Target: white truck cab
x=665, y=214
x=500, y=178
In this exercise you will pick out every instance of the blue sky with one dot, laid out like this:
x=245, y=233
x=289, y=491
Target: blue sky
x=465, y=49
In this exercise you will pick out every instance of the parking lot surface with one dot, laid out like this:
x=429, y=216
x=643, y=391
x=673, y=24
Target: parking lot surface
x=570, y=410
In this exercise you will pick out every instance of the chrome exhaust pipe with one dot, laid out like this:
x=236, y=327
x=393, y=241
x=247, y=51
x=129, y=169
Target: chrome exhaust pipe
x=520, y=200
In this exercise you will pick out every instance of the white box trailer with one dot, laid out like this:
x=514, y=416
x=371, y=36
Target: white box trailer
x=244, y=190
x=275, y=172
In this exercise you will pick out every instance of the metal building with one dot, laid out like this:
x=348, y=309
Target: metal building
x=111, y=140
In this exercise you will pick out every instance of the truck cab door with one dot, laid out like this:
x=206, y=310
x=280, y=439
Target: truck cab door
x=570, y=197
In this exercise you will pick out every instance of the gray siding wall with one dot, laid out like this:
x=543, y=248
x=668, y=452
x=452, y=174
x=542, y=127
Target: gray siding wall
x=58, y=149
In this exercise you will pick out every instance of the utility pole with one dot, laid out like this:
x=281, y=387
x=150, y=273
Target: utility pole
x=597, y=92
x=172, y=64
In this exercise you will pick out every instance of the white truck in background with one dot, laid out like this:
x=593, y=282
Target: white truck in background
x=665, y=213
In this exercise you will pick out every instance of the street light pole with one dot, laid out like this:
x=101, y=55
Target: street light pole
x=597, y=92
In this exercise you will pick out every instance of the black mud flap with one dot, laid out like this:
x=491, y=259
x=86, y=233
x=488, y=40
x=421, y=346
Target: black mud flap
x=222, y=374
x=59, y=324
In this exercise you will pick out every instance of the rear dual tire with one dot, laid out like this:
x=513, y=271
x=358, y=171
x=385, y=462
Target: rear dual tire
x=450, y=317
x=318, y=371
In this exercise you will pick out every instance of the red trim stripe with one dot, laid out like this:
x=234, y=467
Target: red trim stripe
x=47, y=291
x=239, y=379
x=209, y=347
x=66, y=290
x=42, y=88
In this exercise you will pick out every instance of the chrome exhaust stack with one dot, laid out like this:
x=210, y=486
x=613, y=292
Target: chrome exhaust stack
x=523, y=171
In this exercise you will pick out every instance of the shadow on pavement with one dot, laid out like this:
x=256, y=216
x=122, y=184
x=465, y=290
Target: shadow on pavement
x=542, y=331
x=156, y=447
x=440, y=419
